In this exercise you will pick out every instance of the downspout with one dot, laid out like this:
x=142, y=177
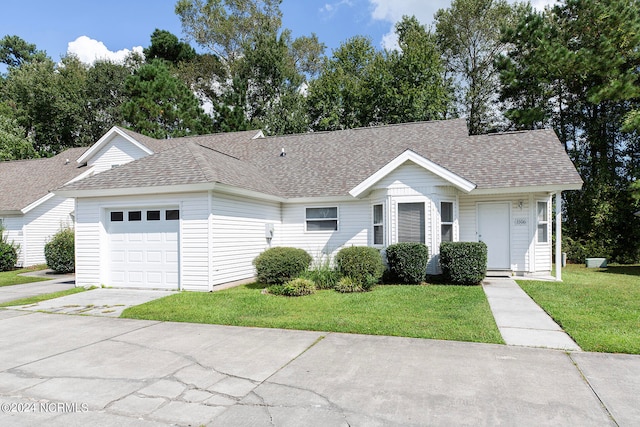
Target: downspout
x=559, y=236
x=24, y=245
x=210, y=240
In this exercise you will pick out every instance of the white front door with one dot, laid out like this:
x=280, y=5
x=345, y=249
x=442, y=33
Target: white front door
x=143, y=248
x=494, y=229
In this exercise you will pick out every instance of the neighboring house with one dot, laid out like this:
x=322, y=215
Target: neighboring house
x=31, y=214
x=194, y=216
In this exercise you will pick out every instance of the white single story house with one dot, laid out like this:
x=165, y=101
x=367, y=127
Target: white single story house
x=31, y=214
x=193, y=216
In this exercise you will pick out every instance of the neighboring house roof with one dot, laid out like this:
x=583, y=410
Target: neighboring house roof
x=152, y=145
x=329, y=164
x=188, y=164
x=24, y=182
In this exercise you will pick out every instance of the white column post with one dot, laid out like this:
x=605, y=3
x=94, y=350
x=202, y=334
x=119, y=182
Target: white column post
x=559, y=236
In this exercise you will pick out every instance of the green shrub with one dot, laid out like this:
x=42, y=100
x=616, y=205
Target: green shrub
x=408, y=261
x=347, y=285
x=360, y=263
x=8, y=252
x=323, y=278
x=294, y=288
x=464, y=263
x=60, y=252
x=578, y=250
x=281, y=264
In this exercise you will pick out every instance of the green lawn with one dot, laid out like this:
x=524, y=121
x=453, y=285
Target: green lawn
x=10, y=278
x=432, y=311
x=599, y=308
x=43, y=297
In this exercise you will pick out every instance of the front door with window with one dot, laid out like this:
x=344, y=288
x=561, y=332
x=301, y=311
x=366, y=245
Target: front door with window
x=494, y=230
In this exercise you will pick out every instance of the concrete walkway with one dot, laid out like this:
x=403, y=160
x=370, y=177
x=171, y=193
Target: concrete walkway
x=520, y=320
x=86, y=370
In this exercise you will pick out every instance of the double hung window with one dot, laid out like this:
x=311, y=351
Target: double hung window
x=543, y=222
x=446, y=221
x=322, y=219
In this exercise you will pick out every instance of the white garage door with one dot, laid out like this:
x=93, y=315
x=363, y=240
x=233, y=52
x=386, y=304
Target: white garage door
x=143, y=248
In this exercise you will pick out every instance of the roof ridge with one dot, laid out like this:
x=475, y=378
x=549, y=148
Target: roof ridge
x=513, y=132
x=362, y=128
x=213, y=149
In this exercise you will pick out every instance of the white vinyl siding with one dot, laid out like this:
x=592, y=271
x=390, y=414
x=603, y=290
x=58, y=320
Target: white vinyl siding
x=354, y=217
x=116, y=152
x=238, y=233
x=34, y=229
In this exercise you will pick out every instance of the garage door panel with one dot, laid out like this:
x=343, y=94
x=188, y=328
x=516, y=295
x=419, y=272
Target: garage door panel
x=135, y=277
x=171, y=256
x=117, y=256
x=135, y=256
x=143, y=254
x=154, y=256
x=154, y=278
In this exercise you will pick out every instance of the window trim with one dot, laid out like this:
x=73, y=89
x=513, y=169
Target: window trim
x=307, y=219
x=375, y=224
x=544, y=222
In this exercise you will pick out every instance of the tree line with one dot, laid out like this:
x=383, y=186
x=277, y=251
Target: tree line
x=572, y=67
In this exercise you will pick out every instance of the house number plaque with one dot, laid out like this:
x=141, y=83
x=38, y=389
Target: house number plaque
x=520, y=221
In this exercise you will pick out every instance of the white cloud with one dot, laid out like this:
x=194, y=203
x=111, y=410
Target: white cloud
x=89, y=50
x=332, y=7
x=393, y=10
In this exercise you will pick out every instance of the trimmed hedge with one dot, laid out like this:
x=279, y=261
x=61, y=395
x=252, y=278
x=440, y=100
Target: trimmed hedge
x=60, y=252
x=8, y=256
x=464, y=263
x=408, y=261
x=281, y=264
x=361, y=263
x=294, y=288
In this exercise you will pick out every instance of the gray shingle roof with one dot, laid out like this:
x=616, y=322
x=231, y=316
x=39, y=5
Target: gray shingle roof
x=228, y=140
x=23, y=182
x=187, y=163
x=332, y=163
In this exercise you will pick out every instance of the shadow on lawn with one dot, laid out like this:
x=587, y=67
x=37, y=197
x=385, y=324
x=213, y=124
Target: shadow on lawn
x=629, y=270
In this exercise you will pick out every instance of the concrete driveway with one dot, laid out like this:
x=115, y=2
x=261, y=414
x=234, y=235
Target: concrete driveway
x=95, y=302
x=60, y=370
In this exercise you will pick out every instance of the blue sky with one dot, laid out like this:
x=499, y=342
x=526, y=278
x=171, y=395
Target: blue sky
x=109, y=26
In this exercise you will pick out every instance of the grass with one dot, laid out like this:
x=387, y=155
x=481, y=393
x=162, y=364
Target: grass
x=430, y=311
x=598, y=308
x=43, y=297
x=10, y=278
